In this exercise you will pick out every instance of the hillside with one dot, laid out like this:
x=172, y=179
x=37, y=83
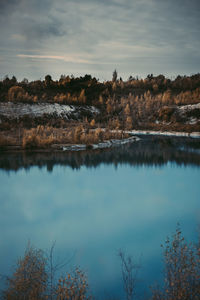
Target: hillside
x=154, y=103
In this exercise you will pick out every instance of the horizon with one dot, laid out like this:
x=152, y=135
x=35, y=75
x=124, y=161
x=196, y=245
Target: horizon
x=135, y=77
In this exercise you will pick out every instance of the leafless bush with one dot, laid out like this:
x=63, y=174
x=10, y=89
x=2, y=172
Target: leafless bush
x=129, y=274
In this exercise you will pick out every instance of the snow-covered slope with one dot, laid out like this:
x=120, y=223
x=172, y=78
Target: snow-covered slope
x=188, y=112
x=186, y=108
x=17, y=110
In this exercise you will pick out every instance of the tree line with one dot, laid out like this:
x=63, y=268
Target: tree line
x=123, y=104
x=88, y=89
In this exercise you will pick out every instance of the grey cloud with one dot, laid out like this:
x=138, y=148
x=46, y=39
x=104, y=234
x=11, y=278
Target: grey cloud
x=31, y=20
x=114, y=33
x=31, y=6
x=7, y=6
x=47, y=27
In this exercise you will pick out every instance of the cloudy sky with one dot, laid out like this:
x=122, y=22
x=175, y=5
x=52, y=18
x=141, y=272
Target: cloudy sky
x=136, y=37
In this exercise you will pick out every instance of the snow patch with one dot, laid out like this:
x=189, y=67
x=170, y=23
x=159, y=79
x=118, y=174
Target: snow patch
x=164, y=133
x=185, y=108
x=192, y=121
x=17, y=110
x=74, y=147
x=102, y=145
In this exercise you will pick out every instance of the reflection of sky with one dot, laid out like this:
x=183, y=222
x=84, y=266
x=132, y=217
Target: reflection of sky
x=95, y=212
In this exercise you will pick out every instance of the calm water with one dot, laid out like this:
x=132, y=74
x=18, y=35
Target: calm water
x=95, y=203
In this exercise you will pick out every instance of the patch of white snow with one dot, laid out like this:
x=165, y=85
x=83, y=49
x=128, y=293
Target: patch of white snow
x=17, y=110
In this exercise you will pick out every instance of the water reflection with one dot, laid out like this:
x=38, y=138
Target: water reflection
x=150, y=151
x=93, y=212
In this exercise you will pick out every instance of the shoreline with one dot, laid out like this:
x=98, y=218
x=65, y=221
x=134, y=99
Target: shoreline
x=165, y=133
x=135, y=135
x=72, y=147
x=102, y=145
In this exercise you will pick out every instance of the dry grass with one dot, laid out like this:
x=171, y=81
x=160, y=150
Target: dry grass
x=39, y=137
x=44, y=136
x=7, y=140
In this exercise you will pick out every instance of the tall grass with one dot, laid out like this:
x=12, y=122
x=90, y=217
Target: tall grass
x=44, y=136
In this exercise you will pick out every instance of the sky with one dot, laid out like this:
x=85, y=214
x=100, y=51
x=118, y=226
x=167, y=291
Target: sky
x=135, y=37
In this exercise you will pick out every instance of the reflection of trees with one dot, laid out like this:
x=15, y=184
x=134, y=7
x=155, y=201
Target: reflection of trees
x=150, y=151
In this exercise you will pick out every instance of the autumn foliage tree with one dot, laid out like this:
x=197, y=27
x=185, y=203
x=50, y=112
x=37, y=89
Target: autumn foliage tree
x=182, y=270
x=33, y=279
x=15, y=93
x=73, y=286
x=29, y=279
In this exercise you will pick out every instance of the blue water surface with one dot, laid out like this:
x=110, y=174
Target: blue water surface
x=92, y=213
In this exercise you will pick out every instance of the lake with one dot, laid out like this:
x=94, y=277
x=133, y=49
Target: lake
x=94, y=203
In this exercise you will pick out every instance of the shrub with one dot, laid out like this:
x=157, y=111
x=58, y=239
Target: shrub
x=73, y=286
x=182, y=270
x=92, y=123
x=38, y=137
x=30, y=141
x=15, y=92
x=30, y=278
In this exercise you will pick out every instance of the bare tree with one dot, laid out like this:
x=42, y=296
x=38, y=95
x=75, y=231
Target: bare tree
x=129, y=274
x=53, y=267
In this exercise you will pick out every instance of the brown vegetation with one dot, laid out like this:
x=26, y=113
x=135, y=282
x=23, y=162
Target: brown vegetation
x=29, y=280
x=44, y=136
x=132, y=103
x=182, y=270
x=33, y=276
x=144, y=104
x=73, y=286
x=18, y=94
x=6, y=141
x=33, y=280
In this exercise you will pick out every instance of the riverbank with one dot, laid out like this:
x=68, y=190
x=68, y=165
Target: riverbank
x=164, y=133
x=49, y=139
x=74, y=147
